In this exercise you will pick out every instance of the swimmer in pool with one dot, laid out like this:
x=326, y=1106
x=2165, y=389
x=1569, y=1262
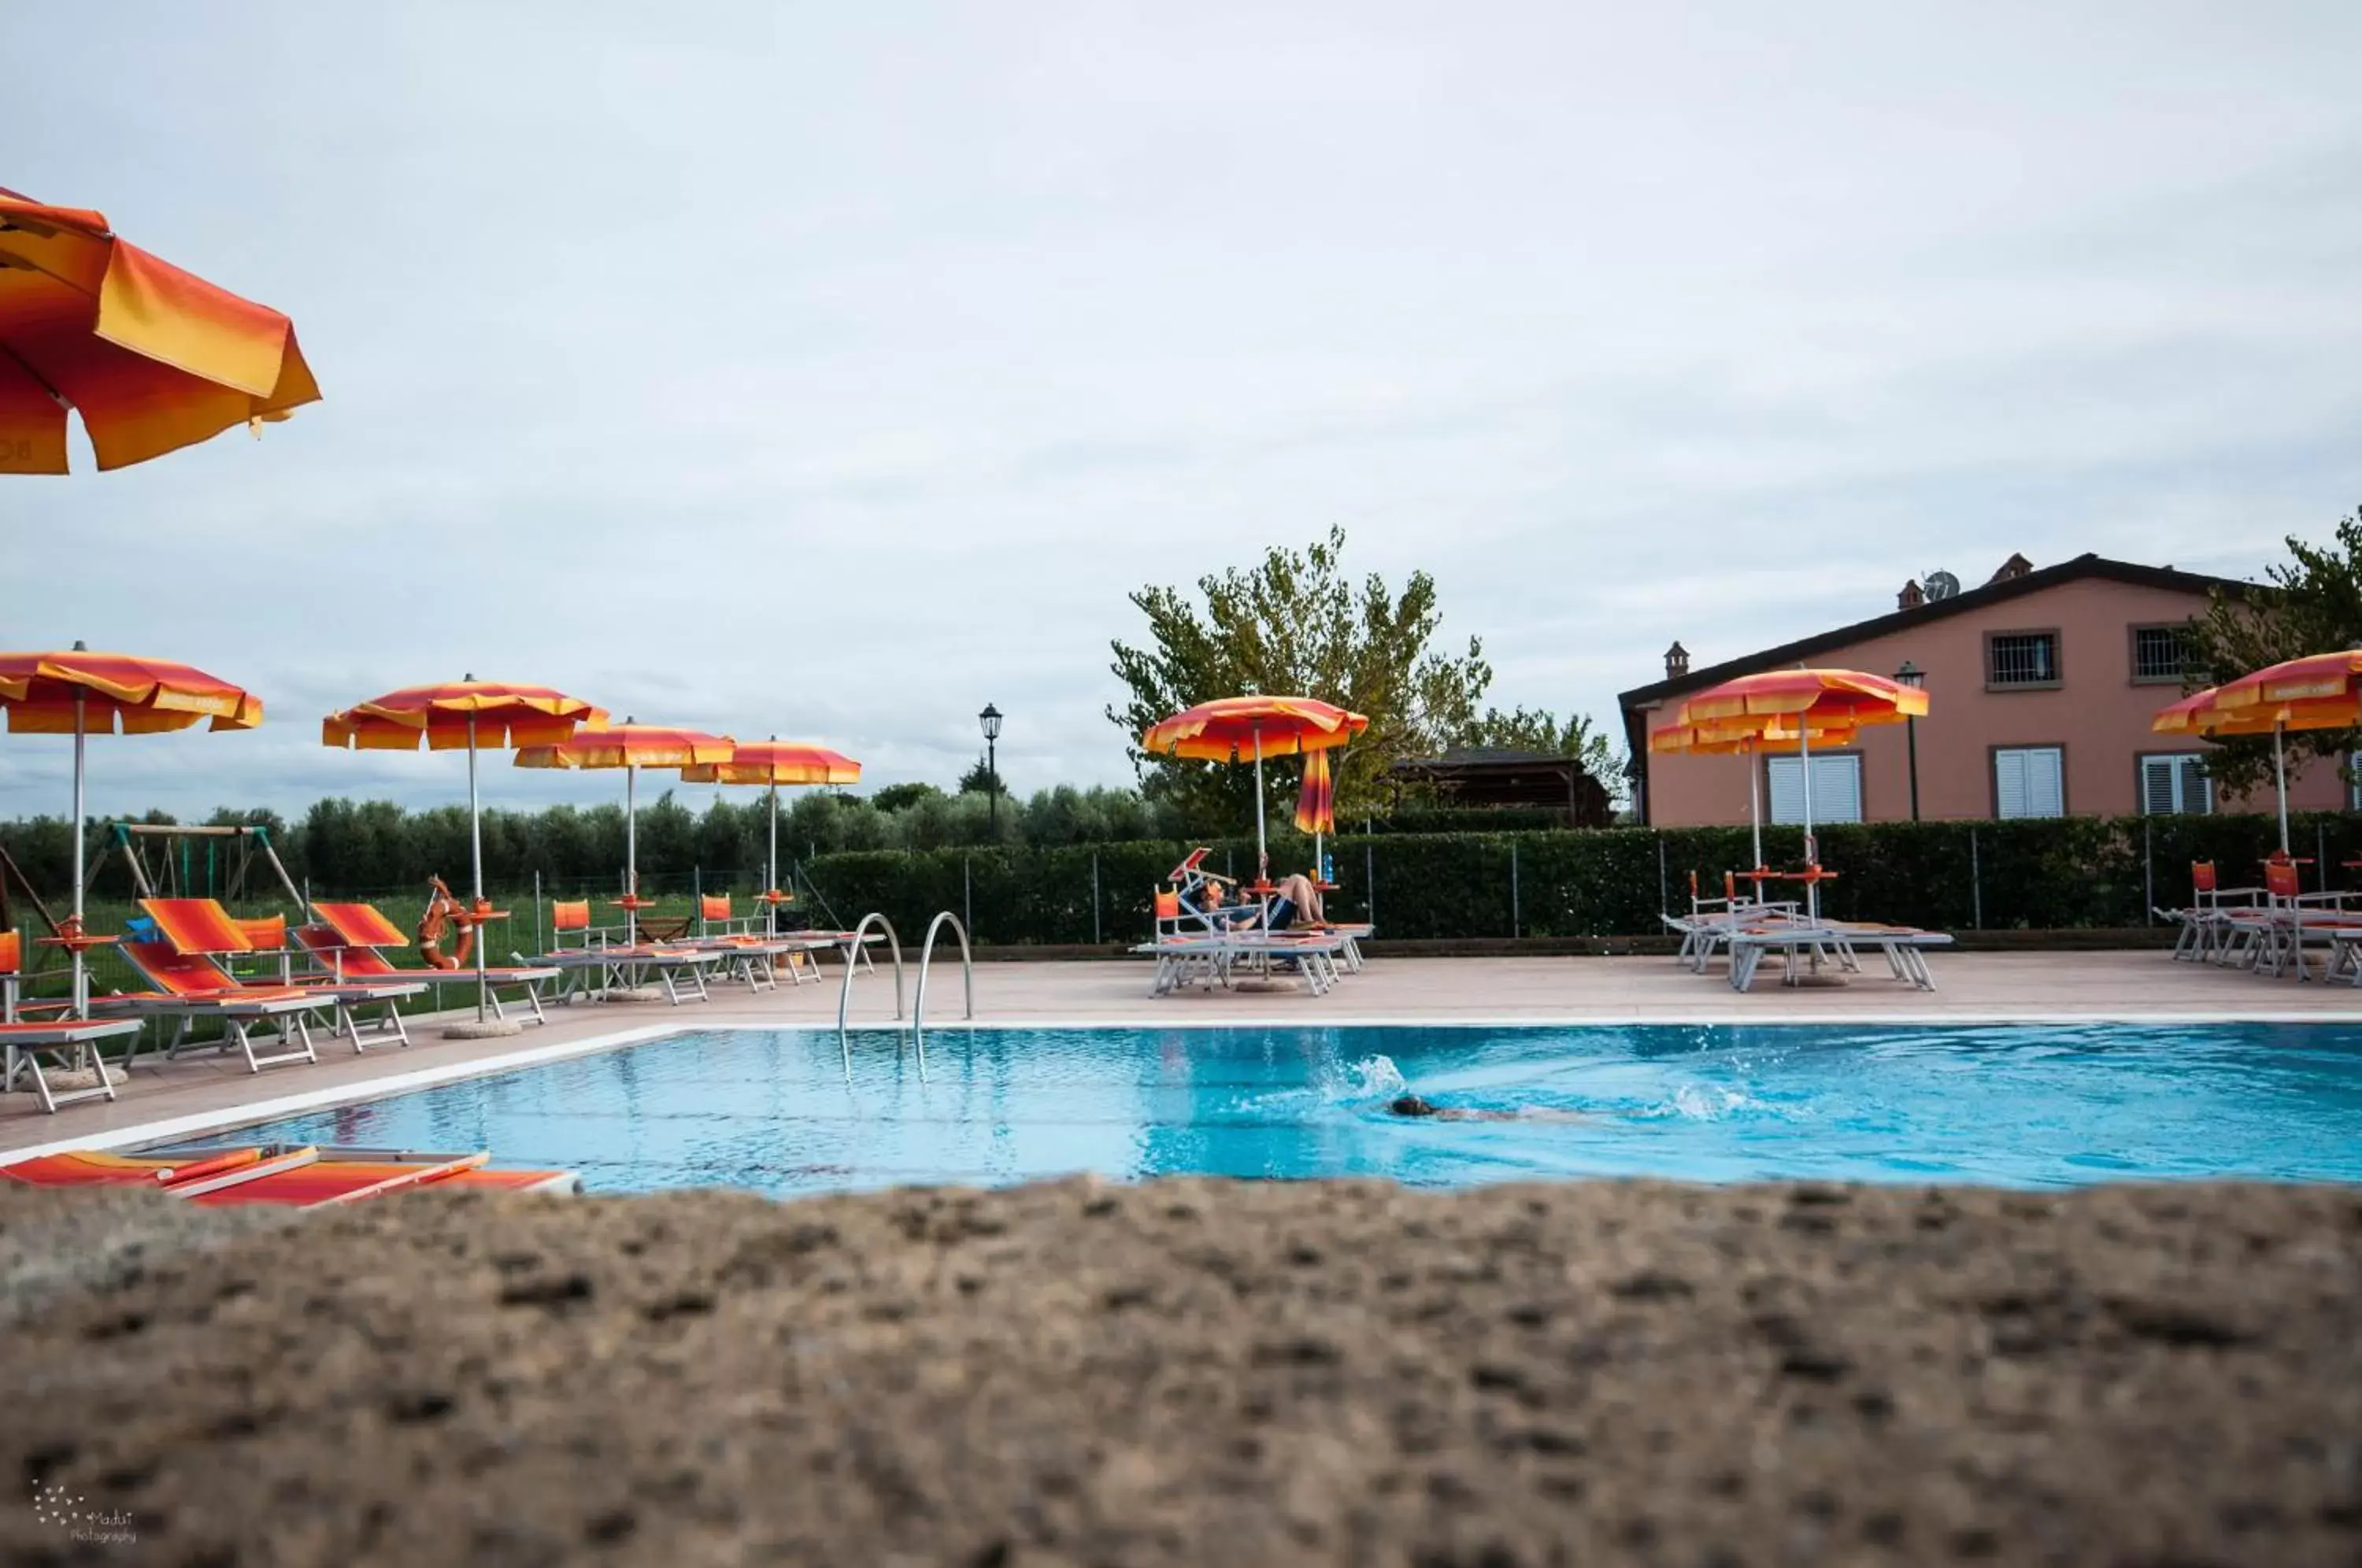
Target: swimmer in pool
x=1412, y=1105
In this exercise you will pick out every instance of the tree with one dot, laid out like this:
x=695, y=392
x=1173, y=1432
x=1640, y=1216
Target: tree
x=1540, y=730
x=901, y=797
x=1296, y=624
x=982, y=779
x=2311, y=605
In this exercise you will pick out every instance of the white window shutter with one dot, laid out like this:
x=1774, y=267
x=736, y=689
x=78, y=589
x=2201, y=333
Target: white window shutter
x=2009, y=784
x=2158, y=781
x=2046, y=782
x=2197, y=789
x=1836, y=788
x=1787, y=776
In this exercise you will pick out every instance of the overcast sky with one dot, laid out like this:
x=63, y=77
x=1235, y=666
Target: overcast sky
x=831, y=370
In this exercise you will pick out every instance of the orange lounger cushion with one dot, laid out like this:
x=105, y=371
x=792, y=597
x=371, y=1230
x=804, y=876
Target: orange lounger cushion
x=300, y=1177
x=197, y=925
x=93, y=1167
x=361, y=925
x=267, y=934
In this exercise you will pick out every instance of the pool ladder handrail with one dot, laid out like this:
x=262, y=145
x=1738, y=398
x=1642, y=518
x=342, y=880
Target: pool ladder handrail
x=853, y=952
x=926, y=957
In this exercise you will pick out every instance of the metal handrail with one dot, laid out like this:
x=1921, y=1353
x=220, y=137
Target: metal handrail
x=926, y=956
x=852, y=956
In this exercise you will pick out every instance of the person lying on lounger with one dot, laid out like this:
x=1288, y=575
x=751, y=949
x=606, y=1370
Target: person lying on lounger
x=1412, y=1105
x=1293, y=901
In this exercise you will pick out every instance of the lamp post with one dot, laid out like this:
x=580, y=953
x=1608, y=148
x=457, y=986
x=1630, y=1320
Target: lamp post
x=1913, y=675
x=990, y=720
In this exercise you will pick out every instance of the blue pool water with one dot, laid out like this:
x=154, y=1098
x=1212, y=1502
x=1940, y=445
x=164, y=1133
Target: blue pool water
x=2021, y=1106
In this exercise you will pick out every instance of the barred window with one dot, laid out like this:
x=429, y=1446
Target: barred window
x=2160, y=652
x=2022, y=659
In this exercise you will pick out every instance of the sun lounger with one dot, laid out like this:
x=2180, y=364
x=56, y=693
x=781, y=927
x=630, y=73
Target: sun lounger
x=2291, y=921
x=1806, y=943
x=747, y=955
x=190, y=988
x=71, y=1044
x=1189, y=947
x=1707, y=928
x=350, y=940
x=2220, y=924
x=202, y=927
x=596, y=967
x=1217, y=958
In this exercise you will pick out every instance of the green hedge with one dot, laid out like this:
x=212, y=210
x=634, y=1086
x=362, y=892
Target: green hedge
x=2061, y=873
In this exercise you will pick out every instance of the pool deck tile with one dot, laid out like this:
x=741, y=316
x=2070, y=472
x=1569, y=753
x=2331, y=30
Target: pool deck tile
x=197, y=1094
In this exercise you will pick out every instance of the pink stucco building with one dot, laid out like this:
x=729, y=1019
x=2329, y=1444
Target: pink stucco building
x=2040, y=683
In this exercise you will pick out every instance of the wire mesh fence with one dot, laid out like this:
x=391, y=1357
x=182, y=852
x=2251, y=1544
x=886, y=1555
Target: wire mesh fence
x=2052, y=873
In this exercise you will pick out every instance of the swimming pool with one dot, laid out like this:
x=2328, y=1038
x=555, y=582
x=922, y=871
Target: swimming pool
x=2018, y=1105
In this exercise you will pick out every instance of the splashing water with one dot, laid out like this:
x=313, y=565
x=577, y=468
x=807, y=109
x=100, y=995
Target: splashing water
x=1372, y=1077
x=1707, y=1102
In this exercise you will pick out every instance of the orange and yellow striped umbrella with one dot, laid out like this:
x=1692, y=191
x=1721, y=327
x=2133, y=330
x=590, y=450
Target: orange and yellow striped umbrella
x=2319, y=691
x=469, y=716
x=1233, y=729
x=778, y=762
x=1769, y=734
x=78, y=692
x=154, y=358
x=1828, y=695
x=775, y=762
x=58, y=693
x=459, y=715
x=1750, y=735
x=631, y=746
x=1790, y=708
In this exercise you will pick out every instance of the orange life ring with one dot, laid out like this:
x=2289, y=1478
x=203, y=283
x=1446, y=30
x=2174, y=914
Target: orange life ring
x=436, y=923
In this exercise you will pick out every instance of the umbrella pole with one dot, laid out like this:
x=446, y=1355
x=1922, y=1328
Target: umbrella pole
x=631, y=854
x=80, y=978
x=1755, y=810
x=1812, y=854
x=771, y=883
x=475, y=864
x=1262, y=854
x=2280, y=771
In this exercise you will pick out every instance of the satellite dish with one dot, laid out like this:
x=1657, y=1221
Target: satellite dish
x=1942, y=585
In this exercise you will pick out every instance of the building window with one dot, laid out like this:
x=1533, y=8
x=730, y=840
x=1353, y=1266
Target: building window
x=2176, y=785
x=2160, y=653
x=2020, y=659
x=2029, y=781
x=1836, y=787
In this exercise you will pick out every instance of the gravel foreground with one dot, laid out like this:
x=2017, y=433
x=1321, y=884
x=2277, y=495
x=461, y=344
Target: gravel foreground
x=1193, y=1372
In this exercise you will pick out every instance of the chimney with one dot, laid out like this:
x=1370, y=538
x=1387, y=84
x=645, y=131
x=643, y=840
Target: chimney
x=1911, y=598
x=1677, y=662
x=2017, y=566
